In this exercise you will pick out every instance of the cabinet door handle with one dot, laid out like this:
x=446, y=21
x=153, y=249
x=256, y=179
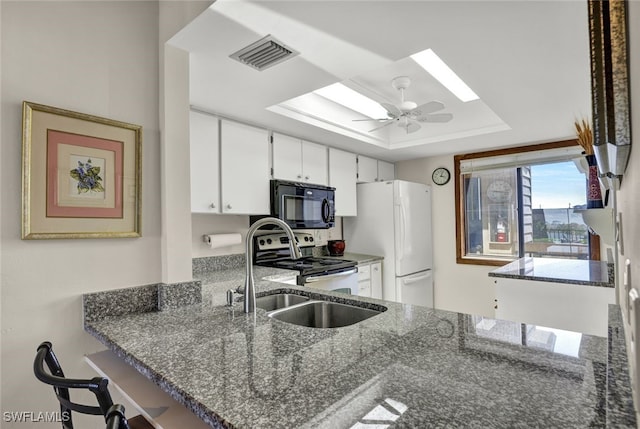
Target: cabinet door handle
x=228, y=206
x=213, y=206
x=299, y=176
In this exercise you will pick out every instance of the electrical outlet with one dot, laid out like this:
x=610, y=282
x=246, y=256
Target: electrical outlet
x=320, y=237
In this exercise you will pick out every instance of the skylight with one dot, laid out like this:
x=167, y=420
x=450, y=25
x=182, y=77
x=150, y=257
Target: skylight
x=429, y=61
x=353, y=100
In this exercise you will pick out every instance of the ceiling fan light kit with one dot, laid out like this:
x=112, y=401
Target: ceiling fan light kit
x=408, y=114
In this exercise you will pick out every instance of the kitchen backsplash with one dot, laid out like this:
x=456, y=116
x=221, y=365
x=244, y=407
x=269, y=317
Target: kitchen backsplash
x=202, y=224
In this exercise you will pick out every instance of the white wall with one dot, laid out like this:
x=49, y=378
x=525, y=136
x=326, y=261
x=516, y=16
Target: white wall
x=202, y=224
x=457, y=287
x=628, y=201
x=1, y=128
x=93, y=57
x=175, y=159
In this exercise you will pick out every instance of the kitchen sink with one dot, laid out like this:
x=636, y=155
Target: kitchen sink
x=323, y=314
x=278, y=301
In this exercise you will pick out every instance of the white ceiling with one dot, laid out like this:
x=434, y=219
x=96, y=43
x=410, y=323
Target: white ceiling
x=527, y=60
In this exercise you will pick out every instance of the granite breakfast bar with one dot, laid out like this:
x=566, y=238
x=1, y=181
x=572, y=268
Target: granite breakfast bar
x=568, y=294
x=409, y=366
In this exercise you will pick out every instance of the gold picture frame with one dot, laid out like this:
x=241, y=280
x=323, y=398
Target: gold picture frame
x=81, y=175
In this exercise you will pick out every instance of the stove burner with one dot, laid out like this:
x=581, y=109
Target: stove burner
x=300, y=263
x=273, y=252
x=308, y=264
x=329, y=261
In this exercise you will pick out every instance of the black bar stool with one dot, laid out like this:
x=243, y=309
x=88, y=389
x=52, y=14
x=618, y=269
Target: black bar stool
x=115, y=416
x=97, y=385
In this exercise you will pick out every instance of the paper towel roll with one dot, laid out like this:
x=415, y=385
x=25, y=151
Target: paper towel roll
x=222, y=240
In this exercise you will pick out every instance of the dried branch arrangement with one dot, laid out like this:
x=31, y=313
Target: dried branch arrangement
x=585, y=136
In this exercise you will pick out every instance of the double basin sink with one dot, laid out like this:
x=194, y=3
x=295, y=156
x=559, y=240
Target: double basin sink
x=303, y=311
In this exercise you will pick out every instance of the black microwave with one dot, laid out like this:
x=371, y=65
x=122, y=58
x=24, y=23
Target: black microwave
x=302, y=205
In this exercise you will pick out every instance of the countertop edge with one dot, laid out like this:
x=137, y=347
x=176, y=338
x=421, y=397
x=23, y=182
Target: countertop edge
x=179, y=395
x=559, y=270
x=552, y=280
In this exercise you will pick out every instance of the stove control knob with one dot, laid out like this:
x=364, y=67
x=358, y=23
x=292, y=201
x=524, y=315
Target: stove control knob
x=262, y=242
x=306, y=238
x=269, y=241
x=310, y=238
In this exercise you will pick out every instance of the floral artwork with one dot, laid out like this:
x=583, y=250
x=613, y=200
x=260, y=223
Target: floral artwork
x=81, y=175
x=87, y=177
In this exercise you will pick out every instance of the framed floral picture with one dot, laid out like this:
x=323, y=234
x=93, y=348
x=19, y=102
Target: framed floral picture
x=81, y=175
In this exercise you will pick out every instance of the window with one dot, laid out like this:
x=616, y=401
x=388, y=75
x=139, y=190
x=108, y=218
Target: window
x=521, y=202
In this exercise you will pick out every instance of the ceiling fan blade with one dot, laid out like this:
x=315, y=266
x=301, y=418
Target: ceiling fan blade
x=386, y=124
x=438, y=117
x=370, y=119
x=426, y=108
x=394, y=112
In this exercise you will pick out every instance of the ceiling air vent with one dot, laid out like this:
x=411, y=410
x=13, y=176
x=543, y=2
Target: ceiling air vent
x=264, y=53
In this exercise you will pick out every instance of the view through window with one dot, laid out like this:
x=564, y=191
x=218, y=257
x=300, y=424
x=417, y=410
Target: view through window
x=558, y=192
x=522, y=205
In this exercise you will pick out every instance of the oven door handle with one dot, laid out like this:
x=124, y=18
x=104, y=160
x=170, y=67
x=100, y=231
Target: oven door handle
x=312, y=279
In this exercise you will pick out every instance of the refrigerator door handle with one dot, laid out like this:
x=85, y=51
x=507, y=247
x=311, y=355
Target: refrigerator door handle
x=416, y=279
x=402, y=230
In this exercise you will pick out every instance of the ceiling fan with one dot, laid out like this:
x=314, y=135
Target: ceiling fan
x=408, y=114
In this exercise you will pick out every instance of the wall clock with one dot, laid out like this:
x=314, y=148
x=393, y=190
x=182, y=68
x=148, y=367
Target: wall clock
x=441, y=176
x=499, y=191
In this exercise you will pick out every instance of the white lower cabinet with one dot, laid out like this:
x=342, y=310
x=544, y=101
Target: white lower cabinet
x=376, y=280
x=364, y=279
x=570, y=307
x=370, y=279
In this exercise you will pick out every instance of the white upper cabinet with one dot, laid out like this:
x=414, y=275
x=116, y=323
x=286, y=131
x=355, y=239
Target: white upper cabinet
x=315, y=163
x=386, y=171
x=204, y=143
x=343, y=170
x=287, y=158
x=244, y=165
x=373, y=170
x=298, y=160
x=367, y=169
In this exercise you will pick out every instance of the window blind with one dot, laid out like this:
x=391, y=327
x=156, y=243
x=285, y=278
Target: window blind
x=521, y=159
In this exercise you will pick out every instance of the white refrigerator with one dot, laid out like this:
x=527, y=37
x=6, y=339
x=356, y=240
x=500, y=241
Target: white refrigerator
x=394, y=221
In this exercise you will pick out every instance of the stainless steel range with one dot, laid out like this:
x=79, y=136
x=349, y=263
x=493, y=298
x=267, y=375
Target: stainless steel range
x=272, y=250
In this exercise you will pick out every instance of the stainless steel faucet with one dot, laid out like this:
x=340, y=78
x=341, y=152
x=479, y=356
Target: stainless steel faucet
x=249, y=288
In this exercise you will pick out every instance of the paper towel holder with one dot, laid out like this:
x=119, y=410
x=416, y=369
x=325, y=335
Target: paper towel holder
x=222, y=240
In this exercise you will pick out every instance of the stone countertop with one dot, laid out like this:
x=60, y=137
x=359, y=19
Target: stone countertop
x=409, y=366
x=569, y=271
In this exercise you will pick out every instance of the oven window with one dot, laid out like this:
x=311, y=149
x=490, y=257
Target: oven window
x=300, y=209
